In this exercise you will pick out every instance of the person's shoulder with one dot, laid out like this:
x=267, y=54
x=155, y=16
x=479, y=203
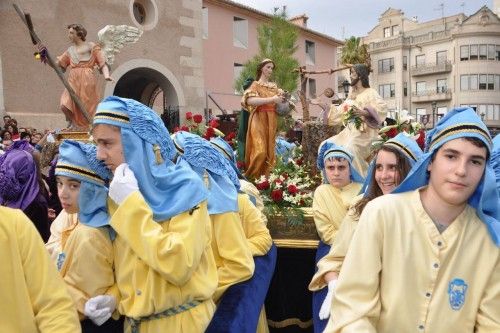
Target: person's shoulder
x=9, y=215
x=392, y=201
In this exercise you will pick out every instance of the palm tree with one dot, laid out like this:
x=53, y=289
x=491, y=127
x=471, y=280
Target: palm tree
x=353, y=52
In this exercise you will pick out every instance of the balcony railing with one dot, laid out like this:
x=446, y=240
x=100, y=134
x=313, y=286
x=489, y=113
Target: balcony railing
x=438, y=94
x=426, y=69
x=400, y=41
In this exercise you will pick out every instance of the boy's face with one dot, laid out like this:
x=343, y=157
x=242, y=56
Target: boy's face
x=456, y=171
x=68, y=190
x=109, y=145
x=338, y=172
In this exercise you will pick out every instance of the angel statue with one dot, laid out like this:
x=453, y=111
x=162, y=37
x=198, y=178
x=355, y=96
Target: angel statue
x=83, y=58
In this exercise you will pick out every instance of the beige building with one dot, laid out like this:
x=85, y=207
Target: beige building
x=430, y=67
x=164, y=69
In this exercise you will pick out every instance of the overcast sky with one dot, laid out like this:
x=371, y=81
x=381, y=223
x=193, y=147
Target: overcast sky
x=344, y=18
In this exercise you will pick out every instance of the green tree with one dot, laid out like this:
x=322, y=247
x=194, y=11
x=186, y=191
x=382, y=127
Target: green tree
x=353, y=52
x=277, y=41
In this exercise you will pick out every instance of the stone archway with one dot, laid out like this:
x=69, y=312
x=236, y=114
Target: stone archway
x=151, y=84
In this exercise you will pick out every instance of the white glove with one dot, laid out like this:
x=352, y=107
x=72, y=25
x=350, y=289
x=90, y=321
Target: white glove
x=123, y=183
x=324, y=312
x=100, y=308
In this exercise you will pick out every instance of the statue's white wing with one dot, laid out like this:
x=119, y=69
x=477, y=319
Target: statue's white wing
x=113, y=38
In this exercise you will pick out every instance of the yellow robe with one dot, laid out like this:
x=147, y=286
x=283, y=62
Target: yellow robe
x=162, y=265
x=34, y=298
x=330, y=205
x=87, y=268
x=401, y=275
x=358, y=142
x=257, y=235
x=260, y=156
x=250, y=189
x=258, y=238
x=332, y=262
x=232, y=254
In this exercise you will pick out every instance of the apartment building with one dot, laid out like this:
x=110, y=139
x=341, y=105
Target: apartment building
x=430, y=67
x=230, y=40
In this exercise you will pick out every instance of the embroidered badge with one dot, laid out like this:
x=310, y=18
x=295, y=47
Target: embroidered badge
x=457, y=289
x=60, y=260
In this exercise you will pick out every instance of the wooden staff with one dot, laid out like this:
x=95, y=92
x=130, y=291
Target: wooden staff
x=34, y=38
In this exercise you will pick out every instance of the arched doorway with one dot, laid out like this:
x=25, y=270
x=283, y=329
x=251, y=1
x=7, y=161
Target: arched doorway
x=152, y=84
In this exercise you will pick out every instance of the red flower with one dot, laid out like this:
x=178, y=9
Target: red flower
x=189, y=115
x=176, y=129
x=391, y=133
x=299, y=161
x=198, y=118
x=214, y=123
x=240, y=165
x=278, y=181
x=284, y=175
x=292, y=189
x=421, y=139
x=277, y=195
x=263, y=186
x=184, y=128
x=210, y=133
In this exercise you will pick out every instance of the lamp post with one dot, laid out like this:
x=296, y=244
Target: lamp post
x=346, y=86
x=433, y=105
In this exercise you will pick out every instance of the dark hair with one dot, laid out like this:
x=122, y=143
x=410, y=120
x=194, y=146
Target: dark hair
x=363, y=72
x=79, y=29
x=373, y=190
x=261, y=65
x=14, y=128
x=24, y=135
x=475, y=141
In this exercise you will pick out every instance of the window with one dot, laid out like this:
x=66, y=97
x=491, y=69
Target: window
x=395, y=30
x=405, y=89
x=440, y=57
x=204, y=20
x=386, y=65
x=421, y=88
x=421, y=112
x=312, y=88
x=387, y=32
x=240, y=32
x=310, y=53
x=482, y=81
x=464, y=52
x=387, y=90
x=498, y=53
x=139, y=12
x=473, y=52
x=441, y=86
x=491, y=52
x=496, y=112
x=473, y=83
x=497, y=82
x=405, y=63
x=237, y=69
x=441, y=111
x=464, y=82
x=420, y=60
x=491, y=82
x=483, y=52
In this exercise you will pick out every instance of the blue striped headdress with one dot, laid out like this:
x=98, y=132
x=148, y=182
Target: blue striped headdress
x=329, y=150
x=168, y=189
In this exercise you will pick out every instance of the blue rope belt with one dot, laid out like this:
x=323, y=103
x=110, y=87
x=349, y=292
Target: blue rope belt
x=136, y=323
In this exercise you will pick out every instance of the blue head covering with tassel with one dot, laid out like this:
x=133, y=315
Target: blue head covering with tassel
x=462, y=122
x=329, y=150
x=405, y=145
x=168, y=188
x=495, y=160
x=227, y=151
x=223, y=182
x=78, y=161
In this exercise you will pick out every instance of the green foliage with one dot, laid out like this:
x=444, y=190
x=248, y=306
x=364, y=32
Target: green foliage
x=277, y=41
x=353, y=52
